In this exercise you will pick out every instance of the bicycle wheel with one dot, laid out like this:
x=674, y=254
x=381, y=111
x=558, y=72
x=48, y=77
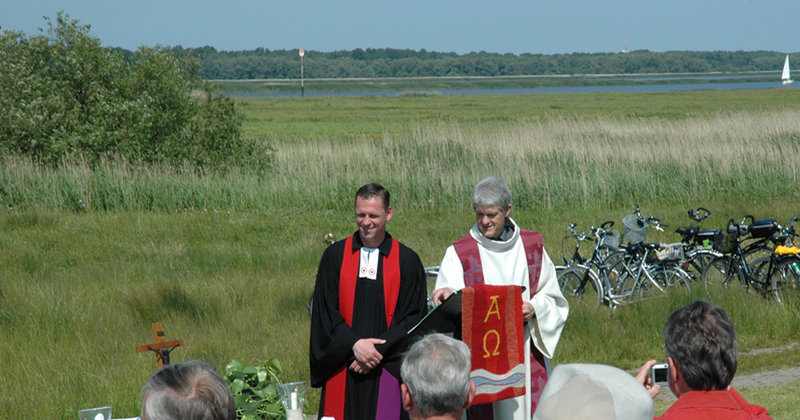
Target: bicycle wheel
x=697, y=260
x=756, y=251
x=580, y=286
x=785, y=279
x=665, y=279
x=623, y=278
x=722, y=275
x=604, y=268
x=760, y=277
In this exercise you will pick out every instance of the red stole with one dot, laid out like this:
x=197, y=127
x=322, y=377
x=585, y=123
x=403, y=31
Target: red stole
x=467, y=250
x=348, y=277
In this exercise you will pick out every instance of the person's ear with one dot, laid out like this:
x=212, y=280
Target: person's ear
x=674, y=372
x=508, y=210
x=677, y=384
x=389, y=213
x=405, y=397
x=471, y=395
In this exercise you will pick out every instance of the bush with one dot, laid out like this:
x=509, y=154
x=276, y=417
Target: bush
x=66, y=96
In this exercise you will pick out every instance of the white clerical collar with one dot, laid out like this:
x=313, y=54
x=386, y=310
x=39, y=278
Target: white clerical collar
x=368, y=263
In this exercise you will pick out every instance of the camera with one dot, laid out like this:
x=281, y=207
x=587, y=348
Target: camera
x=659, y=373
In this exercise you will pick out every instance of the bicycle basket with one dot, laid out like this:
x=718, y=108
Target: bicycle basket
x=726, y=242
x=635, y=228
x=610, y=239
x=670, y=252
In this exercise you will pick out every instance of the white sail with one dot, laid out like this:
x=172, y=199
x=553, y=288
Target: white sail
x=786, y=77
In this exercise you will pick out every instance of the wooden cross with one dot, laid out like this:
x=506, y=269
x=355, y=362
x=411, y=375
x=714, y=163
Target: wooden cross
x=159, y=346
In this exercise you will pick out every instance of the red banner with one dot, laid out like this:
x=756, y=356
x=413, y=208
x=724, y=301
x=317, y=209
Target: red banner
x=492, y=327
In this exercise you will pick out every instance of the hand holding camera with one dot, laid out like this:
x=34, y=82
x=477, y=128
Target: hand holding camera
x=659, y=374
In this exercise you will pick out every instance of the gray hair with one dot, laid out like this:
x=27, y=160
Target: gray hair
x=492, y=191
x=436, y=371
x=187, y=391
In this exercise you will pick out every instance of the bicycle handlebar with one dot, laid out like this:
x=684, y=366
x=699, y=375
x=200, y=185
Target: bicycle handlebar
x=740, y=229
x=579, y=236
x=700, y=214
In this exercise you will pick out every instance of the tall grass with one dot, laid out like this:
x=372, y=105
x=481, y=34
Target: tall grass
x=586, y=163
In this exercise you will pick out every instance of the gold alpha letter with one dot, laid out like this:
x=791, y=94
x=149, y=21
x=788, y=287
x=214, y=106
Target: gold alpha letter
x=494, y=308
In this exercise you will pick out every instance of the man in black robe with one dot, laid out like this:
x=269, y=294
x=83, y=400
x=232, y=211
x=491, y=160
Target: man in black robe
x=370, y=291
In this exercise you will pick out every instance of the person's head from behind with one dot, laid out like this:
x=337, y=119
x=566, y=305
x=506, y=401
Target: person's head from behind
x=491, y=200
x=700, y=342
x=372, y=212
x=187, y=391
x=435, y=374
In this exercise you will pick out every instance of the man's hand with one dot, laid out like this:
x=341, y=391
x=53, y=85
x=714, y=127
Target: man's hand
x=440, y=295
x=644, y=378
x=367, y=356
x=527, y=311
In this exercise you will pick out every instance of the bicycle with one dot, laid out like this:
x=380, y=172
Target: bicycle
x=698, y=244
x=644, y=273
x=590, y=279
x=786, y=276
x=768, y=276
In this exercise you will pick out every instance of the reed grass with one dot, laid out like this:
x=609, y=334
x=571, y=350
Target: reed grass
x=559, y=162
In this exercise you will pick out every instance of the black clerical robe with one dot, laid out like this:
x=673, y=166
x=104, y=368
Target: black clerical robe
x=376, y=394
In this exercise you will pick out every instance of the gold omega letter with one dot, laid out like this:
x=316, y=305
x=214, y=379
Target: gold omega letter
x=496, y=352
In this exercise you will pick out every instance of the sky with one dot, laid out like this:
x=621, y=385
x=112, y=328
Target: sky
x=499, y=26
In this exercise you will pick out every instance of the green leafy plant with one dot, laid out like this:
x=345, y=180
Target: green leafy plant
x=255, y=389
x=67, y=97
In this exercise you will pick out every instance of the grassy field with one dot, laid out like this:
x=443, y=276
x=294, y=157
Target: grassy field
x=91, y=258
x=437, y=84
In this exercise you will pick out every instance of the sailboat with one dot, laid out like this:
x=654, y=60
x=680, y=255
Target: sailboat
x=786, y=77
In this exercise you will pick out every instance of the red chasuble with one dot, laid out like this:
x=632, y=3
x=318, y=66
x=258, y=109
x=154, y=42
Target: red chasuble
x=467, y=250
x=348, y=276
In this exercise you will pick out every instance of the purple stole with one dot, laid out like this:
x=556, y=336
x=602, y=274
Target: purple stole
x=467, y=250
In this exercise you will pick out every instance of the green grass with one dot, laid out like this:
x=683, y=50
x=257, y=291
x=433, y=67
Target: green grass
x=340, y=118
x=414, y=85
x=89, y=259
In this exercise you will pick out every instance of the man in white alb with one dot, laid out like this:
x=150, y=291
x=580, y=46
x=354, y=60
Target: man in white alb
x=497, y=252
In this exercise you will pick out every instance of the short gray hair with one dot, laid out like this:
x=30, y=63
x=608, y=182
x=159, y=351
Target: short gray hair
x=492, y=191
x=436, y=371
x=187, y=391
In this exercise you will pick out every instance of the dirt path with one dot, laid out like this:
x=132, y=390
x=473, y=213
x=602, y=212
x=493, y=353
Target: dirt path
x=759, y=379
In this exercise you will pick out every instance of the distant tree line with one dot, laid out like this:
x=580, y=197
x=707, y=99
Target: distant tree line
x=387, y=62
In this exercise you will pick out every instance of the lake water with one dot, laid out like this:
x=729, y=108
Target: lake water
x=659, y=87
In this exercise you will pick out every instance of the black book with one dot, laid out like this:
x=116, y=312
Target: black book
x=444, y=318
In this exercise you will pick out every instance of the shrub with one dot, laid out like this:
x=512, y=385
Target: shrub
x=66, y=96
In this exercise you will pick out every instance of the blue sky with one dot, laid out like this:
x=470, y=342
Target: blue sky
x=515, y=26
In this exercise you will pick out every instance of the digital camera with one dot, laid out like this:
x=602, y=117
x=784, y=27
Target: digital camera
x=659, y=373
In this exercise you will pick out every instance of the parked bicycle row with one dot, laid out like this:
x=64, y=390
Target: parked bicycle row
x=753, y=255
